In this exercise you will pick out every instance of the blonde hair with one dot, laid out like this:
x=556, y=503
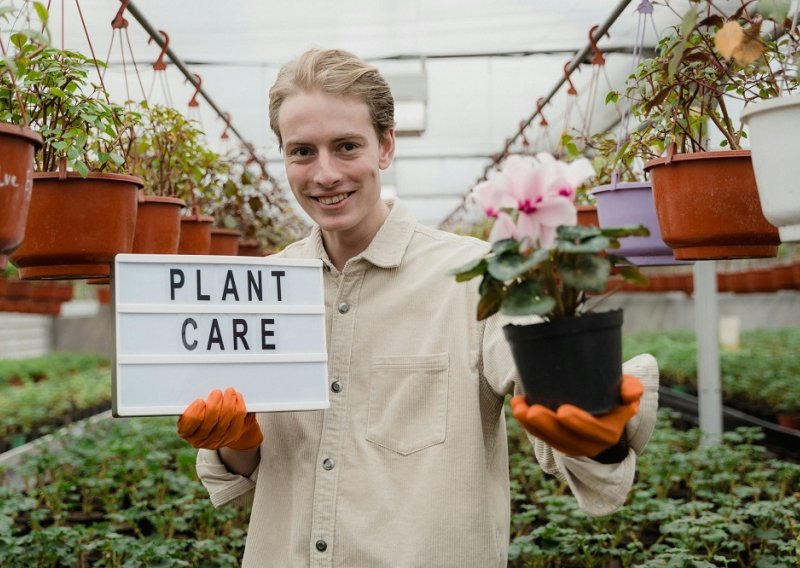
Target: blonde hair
x=337, y=72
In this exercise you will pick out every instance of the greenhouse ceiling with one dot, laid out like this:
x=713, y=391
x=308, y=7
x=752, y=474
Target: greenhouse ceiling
x=469, y=71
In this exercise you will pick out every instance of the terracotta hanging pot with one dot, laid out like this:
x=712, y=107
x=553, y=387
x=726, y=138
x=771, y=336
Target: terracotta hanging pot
x=17, y=147
x=195, y=234
x=250, y=247
x=782, y=277
x=708, y=208
x=760, y=280
x=631, y=203
x=587, y=216
x=224, y=241
x=158, y=225
x=77, y=225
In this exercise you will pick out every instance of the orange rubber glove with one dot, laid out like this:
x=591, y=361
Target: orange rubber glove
x=220, y=422
x=574, y=431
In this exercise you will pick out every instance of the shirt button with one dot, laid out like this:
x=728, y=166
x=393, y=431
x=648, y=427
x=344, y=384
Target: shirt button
x=336, y=386
x=344, y=308
x=327, y=464
x=321, y=545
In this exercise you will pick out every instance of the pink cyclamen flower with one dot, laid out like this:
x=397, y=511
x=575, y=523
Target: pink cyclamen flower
x=491, y=196
x=503, y=228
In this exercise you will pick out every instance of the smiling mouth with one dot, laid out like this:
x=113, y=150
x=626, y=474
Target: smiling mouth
x=334, y=199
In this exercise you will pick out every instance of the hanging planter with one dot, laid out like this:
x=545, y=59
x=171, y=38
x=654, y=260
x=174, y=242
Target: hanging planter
x=250, y=247
x=587, y=216
x=195, y=235
x=17, y=147
x=774, y=125
x=555, y=358
x=77, y=225
x=631, y=203
x=158, y=225
x=224, y=241
x=708, y=208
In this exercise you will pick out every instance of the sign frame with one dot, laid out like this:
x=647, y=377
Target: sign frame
x=318, y=381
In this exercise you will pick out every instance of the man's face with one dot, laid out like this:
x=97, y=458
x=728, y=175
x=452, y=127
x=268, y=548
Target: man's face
x=333, y=160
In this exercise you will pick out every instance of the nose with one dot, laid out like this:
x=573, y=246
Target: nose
x=326, y=174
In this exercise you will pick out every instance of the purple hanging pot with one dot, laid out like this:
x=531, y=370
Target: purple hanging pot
x=631, y=203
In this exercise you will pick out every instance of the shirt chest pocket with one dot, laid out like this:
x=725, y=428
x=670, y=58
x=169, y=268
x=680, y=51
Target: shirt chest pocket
x=408, y=402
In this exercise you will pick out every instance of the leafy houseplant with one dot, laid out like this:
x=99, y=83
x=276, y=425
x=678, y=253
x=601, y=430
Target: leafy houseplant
x=706, y=201
x=542, y=264
x=83, y=207
x=165, y=153
x=623, y=198
x=18, y=143
x=196, y=226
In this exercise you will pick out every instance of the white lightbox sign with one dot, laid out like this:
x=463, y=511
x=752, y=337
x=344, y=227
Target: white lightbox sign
x=188, y=324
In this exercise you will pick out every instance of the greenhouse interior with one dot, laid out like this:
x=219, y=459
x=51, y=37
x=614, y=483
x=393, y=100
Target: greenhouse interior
x=401, y=284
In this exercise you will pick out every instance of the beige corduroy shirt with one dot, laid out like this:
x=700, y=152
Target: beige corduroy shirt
x=409, y=465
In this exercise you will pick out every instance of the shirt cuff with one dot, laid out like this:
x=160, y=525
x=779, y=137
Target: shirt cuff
x=223, y=486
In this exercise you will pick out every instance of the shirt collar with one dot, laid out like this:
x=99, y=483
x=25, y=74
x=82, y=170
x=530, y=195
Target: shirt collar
x=389, y=243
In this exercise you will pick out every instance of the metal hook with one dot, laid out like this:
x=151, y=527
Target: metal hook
x=539, y=106
x=598, y=58
x=160, y=65
x=193, y=102
x=224, y=135
x=571, y=90
x=119, y=21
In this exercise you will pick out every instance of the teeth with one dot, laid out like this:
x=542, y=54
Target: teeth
x=334, y=199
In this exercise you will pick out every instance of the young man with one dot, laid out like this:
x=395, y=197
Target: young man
x=409, y=465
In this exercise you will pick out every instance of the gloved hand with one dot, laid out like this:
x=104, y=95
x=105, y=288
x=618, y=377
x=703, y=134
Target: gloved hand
x=574, y=431
x=220, y=422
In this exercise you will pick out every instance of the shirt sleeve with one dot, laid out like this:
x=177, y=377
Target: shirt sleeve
x=600, y=489
x=223, y=486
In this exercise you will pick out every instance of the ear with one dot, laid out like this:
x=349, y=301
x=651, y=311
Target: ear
x=386, y=149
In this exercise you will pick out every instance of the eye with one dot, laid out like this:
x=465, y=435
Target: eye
x=349, y=147
x=300, y=152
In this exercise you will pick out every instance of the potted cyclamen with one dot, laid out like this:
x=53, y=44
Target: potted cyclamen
x=17, y=142
x=542, y=264
x=707, y=201
x=774, y=121
x=83, y=208
x=165, y=155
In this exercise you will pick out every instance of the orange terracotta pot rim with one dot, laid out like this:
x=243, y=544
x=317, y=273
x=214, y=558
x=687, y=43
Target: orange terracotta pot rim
x=92, y=176
x=197, y=219
x=224, y=231
x=249, y=242
x=23, y=132
x=162, y=199
x=692, y=156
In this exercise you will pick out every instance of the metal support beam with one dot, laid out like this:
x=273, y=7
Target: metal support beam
x=706, y=326
x=139, y=17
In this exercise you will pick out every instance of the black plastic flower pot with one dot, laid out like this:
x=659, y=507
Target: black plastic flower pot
x=570, y=361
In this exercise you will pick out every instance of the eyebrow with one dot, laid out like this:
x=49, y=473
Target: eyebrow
x=341, y=138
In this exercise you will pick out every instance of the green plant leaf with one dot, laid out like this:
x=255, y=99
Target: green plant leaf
x=469, y=270
x=630, y=231
x=633, y=275
x=688, y=22
x=510, y=265
x=585, y=272
x=490, y=302
x=593, y=244
x=612, y=97
x=525, y=299
x=576, y=232
x=775, y=10
x=81, y=168
x=505, y=245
